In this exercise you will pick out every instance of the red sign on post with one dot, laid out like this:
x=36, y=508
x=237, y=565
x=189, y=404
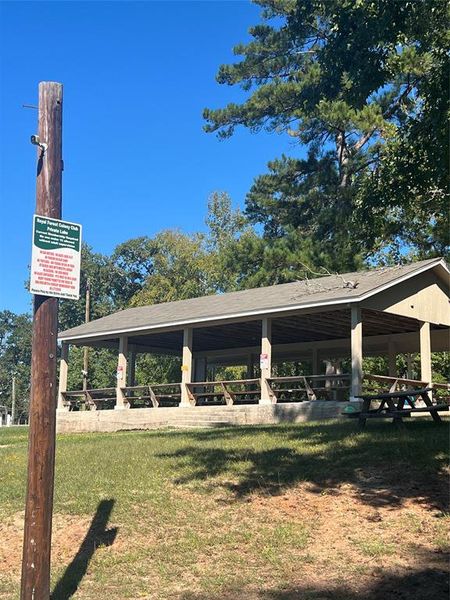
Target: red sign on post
x=264, y=361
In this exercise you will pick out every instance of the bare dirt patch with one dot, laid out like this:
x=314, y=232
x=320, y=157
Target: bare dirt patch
x=68, y=534
x=364, y=542
x=356, y=549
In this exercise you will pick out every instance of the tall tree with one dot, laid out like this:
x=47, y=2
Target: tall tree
x=181, y=268
x=133, y=263
x=15, y=358
x=349, y=81
x=102, y=274
x=224, y=223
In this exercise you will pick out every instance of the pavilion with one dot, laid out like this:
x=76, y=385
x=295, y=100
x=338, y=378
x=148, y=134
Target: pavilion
x=381, y=312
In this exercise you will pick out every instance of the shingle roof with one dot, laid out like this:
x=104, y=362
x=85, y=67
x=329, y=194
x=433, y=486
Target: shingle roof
x=325, y=291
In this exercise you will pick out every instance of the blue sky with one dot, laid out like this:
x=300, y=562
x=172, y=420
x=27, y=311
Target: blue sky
x=136, y=77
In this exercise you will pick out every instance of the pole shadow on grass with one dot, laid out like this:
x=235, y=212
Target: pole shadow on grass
x=97, y=535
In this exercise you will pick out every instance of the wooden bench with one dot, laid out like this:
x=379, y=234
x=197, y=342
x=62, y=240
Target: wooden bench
x=392, y=406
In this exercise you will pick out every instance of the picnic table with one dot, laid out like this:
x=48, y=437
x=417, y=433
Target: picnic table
x=398, y=404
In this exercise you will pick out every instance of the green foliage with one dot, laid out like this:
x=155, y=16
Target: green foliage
x=224, y=223
x=102, y=274
x=15, y=359
x=364, y=85
x=256, y=261
x=133, y=261
x=406, y=196
x=102, y=368
x=153, y=368
x=181, y=269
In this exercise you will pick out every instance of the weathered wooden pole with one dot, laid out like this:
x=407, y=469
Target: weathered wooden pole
x=87, y=316
x=35, y=583
x=13, y=399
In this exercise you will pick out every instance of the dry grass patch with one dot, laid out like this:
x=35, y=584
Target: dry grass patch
x=270, y=513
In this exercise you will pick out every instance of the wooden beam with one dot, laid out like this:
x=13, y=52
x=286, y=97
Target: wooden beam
x=374, y=345
x=315, y=361
x=425, y=353
x=122, y=372
x=200, y=368
x=409, y=365
x=63, y=374
x=356, y=338
x=266, y=361
x=186, y=367
x=250, y=366
x=132, y=366
x=392, y=358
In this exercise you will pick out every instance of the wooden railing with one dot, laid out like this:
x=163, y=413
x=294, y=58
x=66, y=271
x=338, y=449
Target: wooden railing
x=242, y=391
x=167, y=394
x=236, y=391
x=380, y=383
x=139, y=396
x=102, y=398
x=147, y=396
x=309, y=387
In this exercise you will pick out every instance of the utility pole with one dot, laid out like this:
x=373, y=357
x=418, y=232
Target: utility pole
x=87, y=312
x=35, y=584
x=13, y=399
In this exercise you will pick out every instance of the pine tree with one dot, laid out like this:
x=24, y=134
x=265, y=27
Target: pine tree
x=354, y=82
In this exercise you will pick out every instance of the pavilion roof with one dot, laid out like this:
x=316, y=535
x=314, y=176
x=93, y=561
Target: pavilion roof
x=323, y=291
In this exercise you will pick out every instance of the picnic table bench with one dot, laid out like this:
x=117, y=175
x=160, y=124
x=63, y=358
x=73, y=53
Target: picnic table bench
x=392, y=405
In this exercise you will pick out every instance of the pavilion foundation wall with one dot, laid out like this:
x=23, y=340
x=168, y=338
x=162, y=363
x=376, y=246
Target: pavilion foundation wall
x=196, y=416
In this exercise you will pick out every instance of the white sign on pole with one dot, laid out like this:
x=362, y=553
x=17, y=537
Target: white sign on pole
x=55, y=258
x=264, y=361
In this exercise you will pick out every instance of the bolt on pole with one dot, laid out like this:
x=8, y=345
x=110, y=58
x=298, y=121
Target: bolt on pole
x=35, y=584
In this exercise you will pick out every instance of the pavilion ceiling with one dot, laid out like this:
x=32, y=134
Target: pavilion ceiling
x=318, y=326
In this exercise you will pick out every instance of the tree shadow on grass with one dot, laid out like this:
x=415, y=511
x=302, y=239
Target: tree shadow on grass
x=427, y=584
x=430, y=582
x=97, y=535
x=386, y=466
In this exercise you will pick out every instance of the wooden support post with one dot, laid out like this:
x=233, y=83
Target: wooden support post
x=63, y=373
x=122, y=372
x=186, y=367
x=409, y=366
x=250, y=371
x=13, y=399
x=356, y=339
x=392, y=359
x=315, y=362
x=35, y=583
x=425, y=353
x=267, y=396
x=87, y=317
x=329, y=370
x=132, y=366
x=200, y=368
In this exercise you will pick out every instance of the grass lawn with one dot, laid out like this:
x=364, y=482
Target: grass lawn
x=310, y=511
